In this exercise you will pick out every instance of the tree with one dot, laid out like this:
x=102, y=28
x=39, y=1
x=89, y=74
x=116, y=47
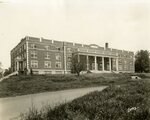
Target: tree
x=1, y=70
x=7, y=71
x=76, y=65
x=142, y=61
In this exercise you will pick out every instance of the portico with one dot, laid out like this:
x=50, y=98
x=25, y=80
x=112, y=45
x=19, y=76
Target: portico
x=99, y=63
x=20, y=64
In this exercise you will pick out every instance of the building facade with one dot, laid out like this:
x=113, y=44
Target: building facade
x=45, y=56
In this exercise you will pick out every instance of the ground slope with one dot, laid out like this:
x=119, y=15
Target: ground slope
x=22, y=85
x=125, y=102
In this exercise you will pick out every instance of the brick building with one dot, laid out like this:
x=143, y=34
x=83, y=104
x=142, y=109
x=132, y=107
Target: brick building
x=54, y=57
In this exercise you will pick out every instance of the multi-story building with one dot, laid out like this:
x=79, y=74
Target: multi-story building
x=45, y=56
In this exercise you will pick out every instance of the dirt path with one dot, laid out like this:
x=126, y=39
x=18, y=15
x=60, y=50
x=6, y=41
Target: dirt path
x=11, y=107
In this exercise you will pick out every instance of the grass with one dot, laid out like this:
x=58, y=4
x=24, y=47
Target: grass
x=22, y=85
x=130, y=101
x=124, y=99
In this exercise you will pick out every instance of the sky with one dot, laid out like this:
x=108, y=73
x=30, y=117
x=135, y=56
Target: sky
x=124, y=24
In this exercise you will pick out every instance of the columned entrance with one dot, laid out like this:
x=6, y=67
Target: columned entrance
x=99, y=63
x=20, y=65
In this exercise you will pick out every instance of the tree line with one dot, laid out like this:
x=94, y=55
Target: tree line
x=142, y=61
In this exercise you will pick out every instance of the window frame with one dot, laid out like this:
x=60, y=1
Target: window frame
x=57, y=56
x=69, y=50
x=32, y=45
x=47, y=47
x=59, y=65
x=46, y=64
x=34, y=53
x=34, y=64
x=47, y=55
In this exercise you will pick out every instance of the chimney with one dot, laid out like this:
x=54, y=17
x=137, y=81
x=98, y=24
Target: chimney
x=106, y=45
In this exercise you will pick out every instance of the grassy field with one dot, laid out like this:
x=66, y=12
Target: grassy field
x=22, y=85
x=128, y=101
x=124, y=99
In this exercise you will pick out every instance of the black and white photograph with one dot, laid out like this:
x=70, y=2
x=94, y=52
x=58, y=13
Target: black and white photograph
x=74, y=60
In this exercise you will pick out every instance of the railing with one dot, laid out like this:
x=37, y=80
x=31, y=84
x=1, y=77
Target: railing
x=14, y=73
x=97, y=51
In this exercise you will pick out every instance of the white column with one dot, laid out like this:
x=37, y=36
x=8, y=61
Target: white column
x=109, y=64
x=78, y=58
x=17, y=65
x=87, y=62
x=133, y=63
x=102, y=63
x=27, y=55
x=95, y=63
x=116, y=64
x=65, y=66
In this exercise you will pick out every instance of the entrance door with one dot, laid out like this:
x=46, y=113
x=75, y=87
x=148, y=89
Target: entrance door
x=93, y=66
x=21, y=65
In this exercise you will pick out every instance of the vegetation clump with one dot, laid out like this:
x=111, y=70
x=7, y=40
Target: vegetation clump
x=29, y=84
x=126, y=102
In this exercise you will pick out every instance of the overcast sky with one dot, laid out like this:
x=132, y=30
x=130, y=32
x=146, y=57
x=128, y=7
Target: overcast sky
x=124, y=24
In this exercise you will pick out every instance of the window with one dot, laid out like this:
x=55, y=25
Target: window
x=33, y=46
x=25, y=55
x=58, y=57
x=34, y=63
x=131, y=63
x=58, y=48
x=24, y=46
x=20, y=50
x=47, y=47
x=47, y=64
x=119, y=61
x=125, y=65
x=58, y=65
x=69, y=65
x=33, y=54
x=69, y=49
x=69, y=57
x=120, y=64
x=47, y=56
x=18, y=57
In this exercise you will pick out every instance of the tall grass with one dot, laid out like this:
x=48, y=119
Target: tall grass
x=126, y=102
x=21, y=85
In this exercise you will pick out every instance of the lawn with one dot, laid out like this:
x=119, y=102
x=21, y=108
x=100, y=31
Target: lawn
x=22, y=85
x=128, y=101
